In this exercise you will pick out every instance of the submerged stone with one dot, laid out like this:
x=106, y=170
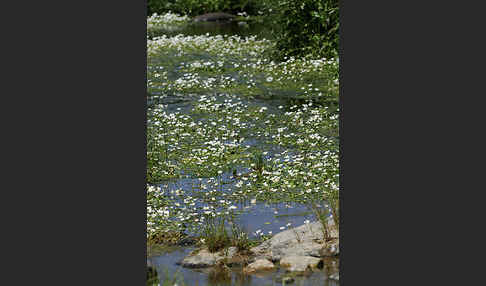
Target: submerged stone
x=218, y=16
x=334, y=276
x=259, y=265
x=203, y=258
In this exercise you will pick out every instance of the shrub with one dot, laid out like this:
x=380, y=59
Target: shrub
x=308, y=27
x=196, y=7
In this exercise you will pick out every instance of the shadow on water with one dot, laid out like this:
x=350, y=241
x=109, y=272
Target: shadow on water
x=241, y=28
x=152, y=275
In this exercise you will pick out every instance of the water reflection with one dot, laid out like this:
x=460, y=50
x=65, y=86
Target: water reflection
x=165, y=265
x=241, y=28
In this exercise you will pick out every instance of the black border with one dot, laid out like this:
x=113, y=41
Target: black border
x=77, y=163
x=78, y=115
x=341, y=143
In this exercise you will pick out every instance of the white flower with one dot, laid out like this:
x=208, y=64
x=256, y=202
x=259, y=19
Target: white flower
x=269, y=79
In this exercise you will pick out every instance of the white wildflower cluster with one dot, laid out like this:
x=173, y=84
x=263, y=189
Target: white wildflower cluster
x=222, y=45
x=232, y=63
x=169, y=18
x=201, y=153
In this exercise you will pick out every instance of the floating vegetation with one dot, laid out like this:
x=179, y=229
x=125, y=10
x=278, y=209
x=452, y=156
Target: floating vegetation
x=168, y=20
x=230, y=64
x=227, y=125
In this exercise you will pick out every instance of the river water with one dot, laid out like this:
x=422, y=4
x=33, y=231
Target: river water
x=253, y=215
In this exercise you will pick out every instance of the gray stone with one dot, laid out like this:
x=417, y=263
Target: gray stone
x=305, y=240
x=330, y=249
x=334, y=276
x=259, y=265
x=218, y=16
x=296, y=263
x=231, y=251
x=203, y=258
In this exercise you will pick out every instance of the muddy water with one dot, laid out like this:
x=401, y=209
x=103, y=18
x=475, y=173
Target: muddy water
x=253, y=215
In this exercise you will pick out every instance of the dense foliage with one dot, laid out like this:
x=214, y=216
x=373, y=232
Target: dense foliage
x=302, y=27
x=197, y=7
x=308, y=27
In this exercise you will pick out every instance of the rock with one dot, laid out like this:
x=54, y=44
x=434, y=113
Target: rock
x=187, y=241
x=334, y=276
x=203, y=258
x=214, y=17
x=305, y=240
x=230, y=252
x=238, y=260
x=300, y=263
x=259, y=265
x=330, y=249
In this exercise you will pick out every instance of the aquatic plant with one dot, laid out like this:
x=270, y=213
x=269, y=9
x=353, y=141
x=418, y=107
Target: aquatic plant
x=323, y=214
x=214, y=141
x=239, y=238
x=171, y=279
x=156, y=20
x=214, y=235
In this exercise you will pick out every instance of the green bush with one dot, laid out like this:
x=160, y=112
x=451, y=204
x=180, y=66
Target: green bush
x=197, y=7
x=302, y=27
x=308, y=27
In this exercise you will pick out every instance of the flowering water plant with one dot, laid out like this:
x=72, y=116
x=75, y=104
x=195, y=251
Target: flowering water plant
x=228, y=125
